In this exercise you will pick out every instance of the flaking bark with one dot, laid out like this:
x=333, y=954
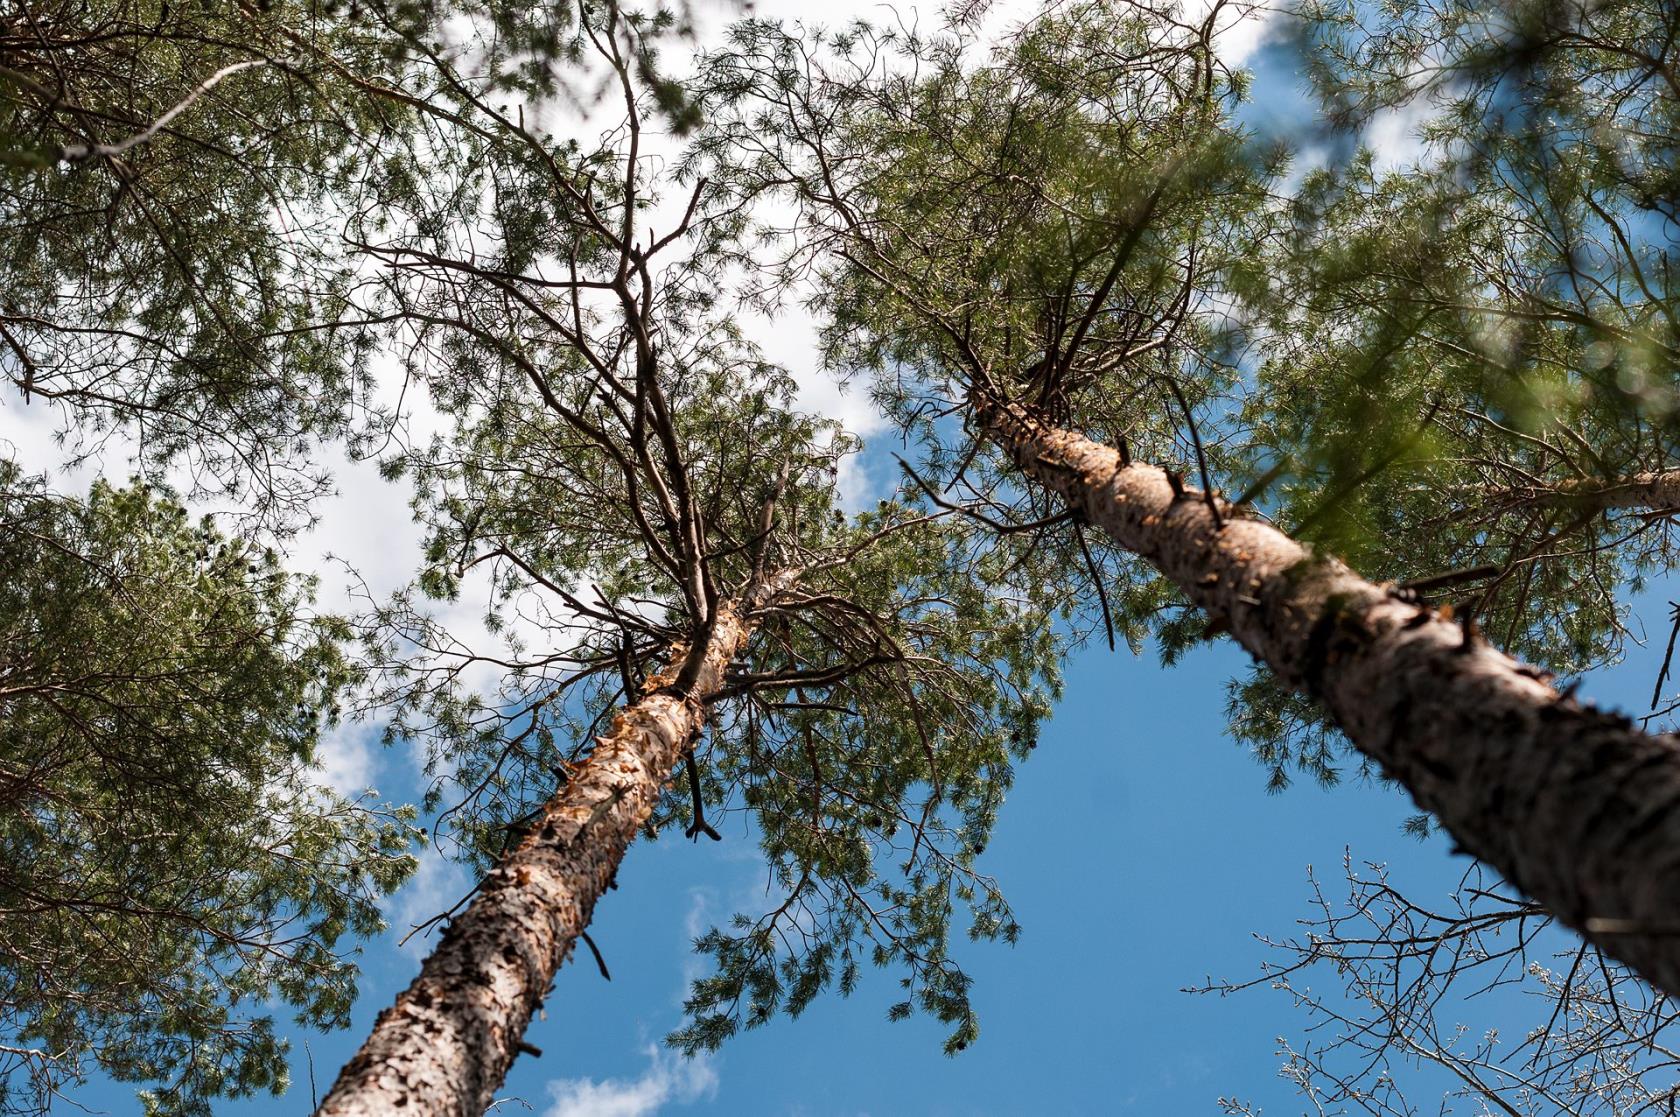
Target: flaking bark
x=1577, y=808
x=445, y=1046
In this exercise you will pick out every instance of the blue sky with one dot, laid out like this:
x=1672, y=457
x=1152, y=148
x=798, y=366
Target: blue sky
x=1141, y=853
x=1138, y=848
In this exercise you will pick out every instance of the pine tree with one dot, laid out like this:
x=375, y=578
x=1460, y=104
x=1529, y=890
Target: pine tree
x=1505, y=303
x=211, y=332
x=167, y=855
x=1494, y=322
x=164, y=187
x=1028, y=242
x=634, y=480
x=172, y=184
x=1035, y=256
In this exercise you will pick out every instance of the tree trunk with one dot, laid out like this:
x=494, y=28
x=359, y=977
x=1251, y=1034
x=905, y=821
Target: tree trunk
x=445, y=1046
x=1576, y=808
x=1654, y=492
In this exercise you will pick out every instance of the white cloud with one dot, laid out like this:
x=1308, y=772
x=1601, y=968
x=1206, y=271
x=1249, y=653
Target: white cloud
x=33, y=439
x=1395, y=136
x=790, y=340
x=347, y=758
x=700, y=917
x=669, y=1078
x=368, y=527
x=1242, y=28
x=436, y=884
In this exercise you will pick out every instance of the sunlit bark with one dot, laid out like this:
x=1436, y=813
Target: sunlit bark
x=445, y=1046
x=1576, y=807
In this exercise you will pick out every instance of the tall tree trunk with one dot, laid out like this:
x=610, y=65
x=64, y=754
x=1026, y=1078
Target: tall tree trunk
x=1576, y=807
x=444, y=1047
x=1655, y=492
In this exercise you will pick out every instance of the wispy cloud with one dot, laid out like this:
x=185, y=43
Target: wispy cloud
x=435, y=886
x=347, y=759
x=1240, y=29
x=1395, y=136
x=669, y=1079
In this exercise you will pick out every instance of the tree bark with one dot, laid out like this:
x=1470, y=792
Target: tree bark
x=1576, y=807
x=445, y=1046
x=1655, y=492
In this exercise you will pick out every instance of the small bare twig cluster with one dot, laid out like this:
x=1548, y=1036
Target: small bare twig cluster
x=1408, y=1008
